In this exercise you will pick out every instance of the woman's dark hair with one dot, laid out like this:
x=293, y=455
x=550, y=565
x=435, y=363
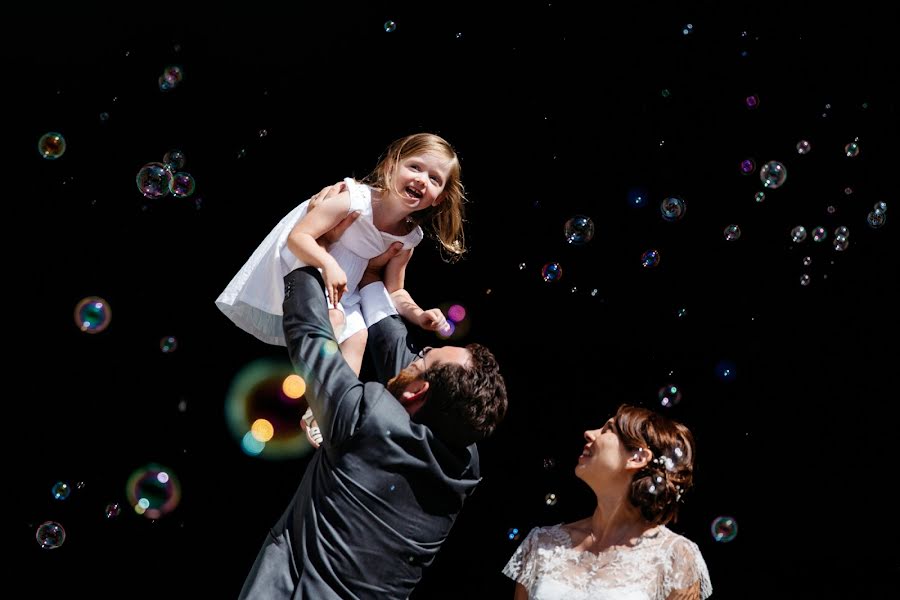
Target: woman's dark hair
x=658, y=488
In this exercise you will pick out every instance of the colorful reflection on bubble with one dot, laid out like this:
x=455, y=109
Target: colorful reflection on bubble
x=772, y=174
x=669, y=395
x=550, y=499
x=760, y=196
x=112, y=510
x=153, y=491
x=52, y=145
x=263, y=390
x=513, y=534
x=876, y=218
x=93, y=314
x=60, y=490
x=174, y=160
x=798, y=234
x=748, y=165
x=650, y=259
x=182, y=184
x=154, y=180
x=579, y=230
x=724, y=529
x=803, y=147
x=752, y=101
x=50, y=535
x=819, y=234
x=551, y=272
x=673, y=208
x=851, y=150
x=456, y=313
x=168, y=344
x=732, y=233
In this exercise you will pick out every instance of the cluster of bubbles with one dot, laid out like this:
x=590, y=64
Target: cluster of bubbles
x=159, y=179
x=820, y=234
x=51, y=145
x=170, y=78
x=93, y=314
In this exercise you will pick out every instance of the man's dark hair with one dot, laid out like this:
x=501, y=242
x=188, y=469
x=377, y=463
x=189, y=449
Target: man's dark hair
x=464, y=405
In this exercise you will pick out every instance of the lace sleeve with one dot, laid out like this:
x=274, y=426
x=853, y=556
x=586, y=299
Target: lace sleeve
x=522, y=567
x=686, y=568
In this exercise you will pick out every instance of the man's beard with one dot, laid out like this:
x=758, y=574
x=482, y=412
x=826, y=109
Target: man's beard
x=397, y=384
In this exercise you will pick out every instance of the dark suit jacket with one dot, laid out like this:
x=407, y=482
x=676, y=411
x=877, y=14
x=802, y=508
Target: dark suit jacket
x=379, y=497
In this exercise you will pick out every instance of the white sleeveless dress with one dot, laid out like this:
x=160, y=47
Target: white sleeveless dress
x=661, y=561
x=253, y=298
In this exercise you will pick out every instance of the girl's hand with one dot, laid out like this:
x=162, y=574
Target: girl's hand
x=335, y=282
x=434, y=320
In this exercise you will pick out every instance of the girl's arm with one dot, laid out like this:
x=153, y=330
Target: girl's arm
x=394, y=278
x=302, y=242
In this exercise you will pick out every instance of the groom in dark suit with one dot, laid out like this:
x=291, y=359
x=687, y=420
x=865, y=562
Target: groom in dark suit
x=398, y=458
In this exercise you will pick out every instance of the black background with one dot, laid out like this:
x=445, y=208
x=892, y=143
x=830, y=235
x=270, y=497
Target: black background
x=555, y=110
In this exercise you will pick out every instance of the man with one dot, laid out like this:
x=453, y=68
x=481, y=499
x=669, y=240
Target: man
x=379, y=497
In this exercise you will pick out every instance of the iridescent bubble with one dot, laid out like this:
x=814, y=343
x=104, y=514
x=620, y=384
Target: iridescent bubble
x=798, y=234
x=848, y=190
x=807, y=260
x=154, y=180
x=182, y=184
x=830, y=210
x=60, y=490
x=168, y=344
x=579, y=230
x=513, y=534
x=726, y=370
x=851, y=149
x=153, y=491
x=724, y=529
x=551, y=272
x=804, y=280
x=262, y=390
x=803, y=147
x=521, y=266
x=760, y=196
x=456, y=313
x=732, y=233
x=104, y=116
x=390, y=26
x=550, y=499
x=748, y=165
x=164, y=85
x=773, y=174
x=672, y=208
x=842, y=230
x=819, y=234
x=882, y=206
x=669, y=395
x=112, y=510
x=173, y=75
x=876, y=218
x=665, y=93
x=682, y=313
x=174, y=160
x=841, y=243
x=52, y=145
x=93, y=314
x=650, y=259
x=752, y=101
x=50, y=535
x=79, y=485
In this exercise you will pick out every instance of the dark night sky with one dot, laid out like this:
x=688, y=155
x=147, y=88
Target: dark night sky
x=555, y=111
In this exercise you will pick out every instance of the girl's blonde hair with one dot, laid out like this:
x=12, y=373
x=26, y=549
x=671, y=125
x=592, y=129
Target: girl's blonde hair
x=446, y=219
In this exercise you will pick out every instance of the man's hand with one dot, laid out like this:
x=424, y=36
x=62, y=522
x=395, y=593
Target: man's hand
x=327, y=192
x=376, y=265
x=434, y=320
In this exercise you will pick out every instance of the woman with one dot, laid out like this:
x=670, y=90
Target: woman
x=639, y=464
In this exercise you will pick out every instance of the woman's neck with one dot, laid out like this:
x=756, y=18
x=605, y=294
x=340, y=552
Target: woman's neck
x=386, y=217
x=615, y=522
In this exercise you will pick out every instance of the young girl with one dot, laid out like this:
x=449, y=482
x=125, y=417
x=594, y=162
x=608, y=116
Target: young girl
x=417, y=181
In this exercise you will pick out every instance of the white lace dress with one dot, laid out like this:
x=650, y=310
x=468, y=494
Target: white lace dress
x=254, y=296
x=661, y=561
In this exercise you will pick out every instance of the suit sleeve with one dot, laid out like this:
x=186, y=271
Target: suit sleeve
x=387, y=345
x=333, y=390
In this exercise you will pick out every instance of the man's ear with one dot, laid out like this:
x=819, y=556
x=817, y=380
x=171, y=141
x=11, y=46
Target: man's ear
x=414, y=391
